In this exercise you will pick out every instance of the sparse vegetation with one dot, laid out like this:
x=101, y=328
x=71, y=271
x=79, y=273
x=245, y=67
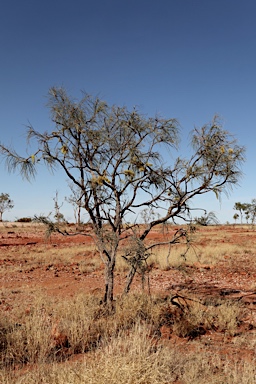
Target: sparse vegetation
x=121, y=347
x=194, y=326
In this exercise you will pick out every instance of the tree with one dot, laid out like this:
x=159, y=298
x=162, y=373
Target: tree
x=252, y=210
x=120, y=162
x=241, y=207
x=5, y=204
x=247, y=216
x=235, y=217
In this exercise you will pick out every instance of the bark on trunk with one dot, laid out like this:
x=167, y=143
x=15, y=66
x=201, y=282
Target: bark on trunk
x=79, y=216
x=109, y=284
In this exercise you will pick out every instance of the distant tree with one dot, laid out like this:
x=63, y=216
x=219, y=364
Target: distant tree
x=5, y=204
x=207, y=219
x=235, y=217
x=253, y=211
x=241, y=207
x=250, y=211
x=247, y=216
x=120, y=162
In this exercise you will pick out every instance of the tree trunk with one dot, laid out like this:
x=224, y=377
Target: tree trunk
x=79, y=216
x=109, y=283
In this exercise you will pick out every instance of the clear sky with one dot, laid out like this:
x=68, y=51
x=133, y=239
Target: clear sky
x=187, y=59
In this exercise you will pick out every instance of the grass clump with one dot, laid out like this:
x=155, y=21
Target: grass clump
x=134, y=357
x=121, y=346
x=52, y=331
x=25, y=338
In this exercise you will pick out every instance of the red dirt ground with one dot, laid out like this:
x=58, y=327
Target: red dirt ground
x=232, y=277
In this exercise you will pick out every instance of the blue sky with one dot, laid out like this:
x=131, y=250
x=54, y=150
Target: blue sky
x=187, y=59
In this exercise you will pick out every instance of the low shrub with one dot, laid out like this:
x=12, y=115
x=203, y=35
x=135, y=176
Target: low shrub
x=24, y=220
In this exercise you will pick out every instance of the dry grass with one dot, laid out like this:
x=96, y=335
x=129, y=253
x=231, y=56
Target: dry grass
x=160, y=257
x=44, y=253
x=207, y=249
x=90, y=265
x=51, y=341
x=135, y=358
x=33, y=334
x=118, y=347
x=21, y=228
x=196, y=318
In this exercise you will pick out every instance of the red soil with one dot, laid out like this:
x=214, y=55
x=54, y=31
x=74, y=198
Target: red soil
x=232, y=277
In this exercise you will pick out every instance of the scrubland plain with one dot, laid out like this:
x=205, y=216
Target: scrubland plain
x=188, y=319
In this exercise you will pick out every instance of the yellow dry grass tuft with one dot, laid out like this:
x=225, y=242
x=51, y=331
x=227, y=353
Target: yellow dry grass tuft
x=133, y=357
